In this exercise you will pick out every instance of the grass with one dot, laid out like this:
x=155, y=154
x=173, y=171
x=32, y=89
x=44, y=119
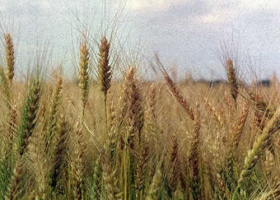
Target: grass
x=134, y=139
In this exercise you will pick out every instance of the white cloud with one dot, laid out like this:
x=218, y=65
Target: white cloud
x=211, y=18
x=260, y=4
x=45, y=5
x=145, y=5
x=225, y=11
x=153, y=5
x=42, y=5
x=2, y=8
x=218, y=15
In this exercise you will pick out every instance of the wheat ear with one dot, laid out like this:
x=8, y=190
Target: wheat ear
x=59, y=152
x=53, y=115
x=109, y=176
x=5, y=86
x=195, y=157
x=141, y=168
x=84, y=74
x=232, y=79
x=78, y=167
x=259, y=146
x=39, y=164
x=152, y=99
x=239, y=126
x=132, y=121
x=174, y=164
x=184, y=103
x=214, y=112
x=132, y=110
x=104, y=69
x=10, y=57
x=29, y=116
x=237, y=133
x=154, y=189
x=15, y=181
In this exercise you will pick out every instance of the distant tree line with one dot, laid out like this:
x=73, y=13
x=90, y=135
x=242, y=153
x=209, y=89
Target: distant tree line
x=217, y=82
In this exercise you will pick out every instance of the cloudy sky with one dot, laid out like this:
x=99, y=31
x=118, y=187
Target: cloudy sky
x=186, y=33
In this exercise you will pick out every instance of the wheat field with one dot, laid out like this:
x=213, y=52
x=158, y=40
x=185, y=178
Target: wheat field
x=136, y=139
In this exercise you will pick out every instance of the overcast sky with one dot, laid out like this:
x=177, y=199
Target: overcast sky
x=187, y=33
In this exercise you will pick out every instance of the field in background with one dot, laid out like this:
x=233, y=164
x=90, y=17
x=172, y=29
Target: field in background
x=134, y=139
